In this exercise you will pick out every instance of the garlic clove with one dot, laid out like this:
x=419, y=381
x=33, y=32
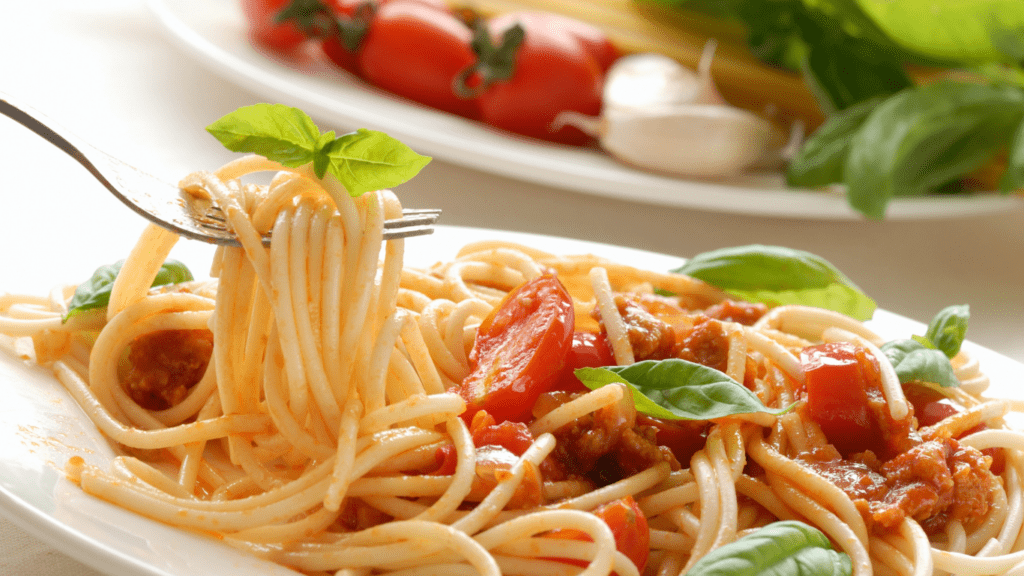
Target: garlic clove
x=707, y=91
x=648, y=79
x=688, y=140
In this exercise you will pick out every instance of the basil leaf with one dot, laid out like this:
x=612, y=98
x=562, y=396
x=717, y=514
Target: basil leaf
x=776, y=275
x=278, y=132
x=1013, y=178
x=822, y=158
x=678, y=390
x=784, y=548
x=925, y=137
x=951, y=30
x=948, y=329
x=367, y=160
x=914, y=361
x=362, y=161
x=94, y=293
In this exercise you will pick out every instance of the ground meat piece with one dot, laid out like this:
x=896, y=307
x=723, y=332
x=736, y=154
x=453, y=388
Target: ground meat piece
x=650, y=338
x=164, y=365
x=605, y=446
x=934, y=482
x=707, y=344
x=745, y=313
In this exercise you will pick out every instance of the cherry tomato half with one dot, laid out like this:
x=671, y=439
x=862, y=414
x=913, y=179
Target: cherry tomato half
x=589, y=350
x=520, y=350
x=415, y=50
x=839, y=376
x=265, y=31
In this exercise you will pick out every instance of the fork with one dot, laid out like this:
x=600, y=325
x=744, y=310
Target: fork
x=165, y=204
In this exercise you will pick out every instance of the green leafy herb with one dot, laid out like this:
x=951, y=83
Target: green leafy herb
x=1013, y=178
x=785, y=548
x=362, y=161
x=948, y=328
x=925, y=137
x=950, y=30
x=94, y=293
x=678, y=390
x=822, y=158
x=777, y=275
x=914, y=361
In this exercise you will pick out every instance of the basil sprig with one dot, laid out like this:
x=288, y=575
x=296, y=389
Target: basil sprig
x=676, y=389
x=362, y=161
x=784, y=548
x=94, y=293
x=926, y=358
x=775, y=275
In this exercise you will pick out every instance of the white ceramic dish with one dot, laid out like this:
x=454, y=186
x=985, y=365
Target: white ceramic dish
x=213, y=31
x=43, y=427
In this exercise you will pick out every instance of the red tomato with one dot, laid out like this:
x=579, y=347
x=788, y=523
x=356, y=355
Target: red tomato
x=353, y=18
x=265, y=31
x=839, y=376
x=553, y=72
x=592, y=38
x=629, y=526
x=513, y=436
x=520, y=350
x=683, y=437
x=589, y=350
x=415, y=50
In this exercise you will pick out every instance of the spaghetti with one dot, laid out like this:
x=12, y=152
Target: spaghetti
x=314, y=433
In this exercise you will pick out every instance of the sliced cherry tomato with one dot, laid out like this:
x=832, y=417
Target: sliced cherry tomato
x=629, y=526
x=839, y=375
x=416, y=50
x=513, y=436
x=265, y=31
x=520, y=350
x=552, y=72
x=589, y=350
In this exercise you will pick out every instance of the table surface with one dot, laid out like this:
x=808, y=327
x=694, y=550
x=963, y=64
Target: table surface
x=106, y=70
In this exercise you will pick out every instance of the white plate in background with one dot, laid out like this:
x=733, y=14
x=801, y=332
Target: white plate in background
x=214, y=32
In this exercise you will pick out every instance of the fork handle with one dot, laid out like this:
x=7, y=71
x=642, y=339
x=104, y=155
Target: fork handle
x=16, y=111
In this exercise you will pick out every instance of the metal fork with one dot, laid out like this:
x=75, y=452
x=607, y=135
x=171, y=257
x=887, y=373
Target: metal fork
x=166, y=204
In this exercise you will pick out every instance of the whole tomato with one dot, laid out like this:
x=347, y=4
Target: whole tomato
x=550, y=71
x=415, y=50
x=352, y=19
x=266, y=31
x=520, y=350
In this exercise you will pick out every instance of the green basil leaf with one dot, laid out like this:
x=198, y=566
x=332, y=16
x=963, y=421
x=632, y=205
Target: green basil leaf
x=678, y=390
x=951, y=30
x=784, y=548
x=822, y=158
x=362, y=161
x=1013, y=178
x=94, y=293
x=368, y=160
x=925, y=137
x=844, y=72
x=948, y=329
x=776, y=275
x=915, y=362
x=278, y=132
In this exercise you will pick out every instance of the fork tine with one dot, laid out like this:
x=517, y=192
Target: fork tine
x=414, y=222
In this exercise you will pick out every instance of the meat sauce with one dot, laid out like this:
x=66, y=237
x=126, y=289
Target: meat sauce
x=164, y=365
x=884, y=464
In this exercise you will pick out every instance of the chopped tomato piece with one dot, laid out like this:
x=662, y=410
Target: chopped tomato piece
x=683, y=437
x=629, y=526
x=839, y=377
x=513, y=436
x=520, y=350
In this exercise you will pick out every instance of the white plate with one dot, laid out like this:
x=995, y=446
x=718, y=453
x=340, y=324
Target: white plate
x=214, y=32
x=42, y=427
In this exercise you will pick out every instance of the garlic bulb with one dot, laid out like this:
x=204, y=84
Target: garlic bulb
x=661, y=116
